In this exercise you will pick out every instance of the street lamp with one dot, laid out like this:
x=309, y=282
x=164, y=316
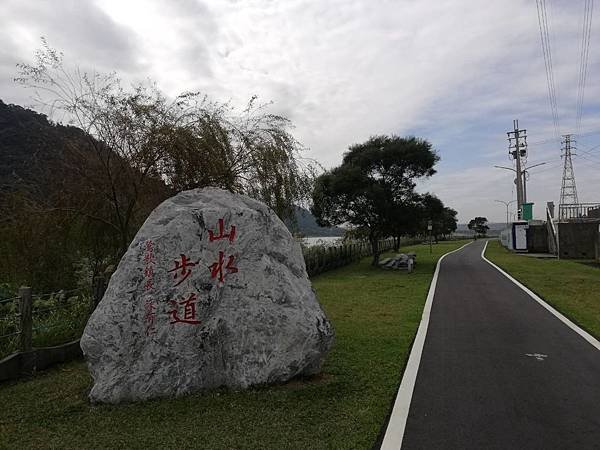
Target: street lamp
x=524, y=172
x=507, y=205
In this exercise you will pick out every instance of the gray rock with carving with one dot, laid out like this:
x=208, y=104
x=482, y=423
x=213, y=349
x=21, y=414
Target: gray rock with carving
x=212, y=292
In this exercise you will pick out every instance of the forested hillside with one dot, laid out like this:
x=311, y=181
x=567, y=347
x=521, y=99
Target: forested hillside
x=30, y=145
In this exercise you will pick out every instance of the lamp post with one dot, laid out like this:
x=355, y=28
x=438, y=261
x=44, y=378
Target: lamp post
x=507, y=205
x=524, y=171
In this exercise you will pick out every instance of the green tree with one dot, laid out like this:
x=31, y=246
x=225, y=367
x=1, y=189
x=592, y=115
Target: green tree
x=448, y=221
x=443, y=219
x=433, y=208
x=479, y=225
x=411, y=217
x=407, y=218
x=374, y=180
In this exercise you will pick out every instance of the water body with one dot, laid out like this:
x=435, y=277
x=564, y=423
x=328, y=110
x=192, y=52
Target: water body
x=326, y=241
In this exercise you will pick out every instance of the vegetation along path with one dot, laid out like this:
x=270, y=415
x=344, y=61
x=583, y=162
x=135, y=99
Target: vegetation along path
x=375, y=313
x=499, y=369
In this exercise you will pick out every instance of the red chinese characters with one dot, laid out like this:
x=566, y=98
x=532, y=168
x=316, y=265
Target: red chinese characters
x=149, y=316
x=184, y=310
x=149, y=261
x=189, y=310
x=217, y=268
x=183, y=268
x=222, y=235
x=149, y=306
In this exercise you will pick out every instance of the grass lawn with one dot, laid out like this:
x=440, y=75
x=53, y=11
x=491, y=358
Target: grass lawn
x=375, y=314
x=570, y=286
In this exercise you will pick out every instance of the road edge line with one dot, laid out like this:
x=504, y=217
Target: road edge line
x=394, y=432
x=581, y=332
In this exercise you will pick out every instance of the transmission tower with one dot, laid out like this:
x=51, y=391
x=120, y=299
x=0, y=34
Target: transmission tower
x=568, y=190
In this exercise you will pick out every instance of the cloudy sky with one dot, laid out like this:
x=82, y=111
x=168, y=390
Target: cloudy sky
x=454, y=72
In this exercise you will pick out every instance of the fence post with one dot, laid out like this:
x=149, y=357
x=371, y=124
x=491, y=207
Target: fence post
x=98, y=289
x=25, y=316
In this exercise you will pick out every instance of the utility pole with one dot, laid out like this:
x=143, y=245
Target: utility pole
x=517, y=149
x=568, y=190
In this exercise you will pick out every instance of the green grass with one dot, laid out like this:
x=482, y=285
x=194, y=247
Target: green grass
x=375, y=314
x=56, y=320
x=570, y=286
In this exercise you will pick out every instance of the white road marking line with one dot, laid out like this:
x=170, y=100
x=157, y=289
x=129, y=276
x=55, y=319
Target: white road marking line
x=397, y=423
x=584, y=334
x=538, y=356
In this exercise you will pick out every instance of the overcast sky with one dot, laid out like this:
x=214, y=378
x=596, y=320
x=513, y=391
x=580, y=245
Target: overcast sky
x=454, y=72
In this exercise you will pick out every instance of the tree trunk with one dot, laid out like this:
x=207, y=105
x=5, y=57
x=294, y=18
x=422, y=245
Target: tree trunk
x=375, y=249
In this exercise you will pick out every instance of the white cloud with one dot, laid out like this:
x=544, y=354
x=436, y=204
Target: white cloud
x=454, y=72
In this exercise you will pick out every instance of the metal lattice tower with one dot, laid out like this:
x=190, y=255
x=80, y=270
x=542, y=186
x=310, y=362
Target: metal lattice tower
x=568, y=190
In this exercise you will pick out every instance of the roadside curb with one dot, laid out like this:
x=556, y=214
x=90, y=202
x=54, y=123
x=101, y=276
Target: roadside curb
x=584, y=334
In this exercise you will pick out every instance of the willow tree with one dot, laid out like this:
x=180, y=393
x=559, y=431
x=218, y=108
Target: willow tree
x=143, y=147
x=250, y=152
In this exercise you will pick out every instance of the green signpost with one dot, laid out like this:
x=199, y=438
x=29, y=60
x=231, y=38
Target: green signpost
x=527, y=211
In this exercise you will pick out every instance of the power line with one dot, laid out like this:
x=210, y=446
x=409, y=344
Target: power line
x=591, y=153
x=590, y=161
x=547, y=53
x=584, y=58
x=589, y=133
x=545, y=141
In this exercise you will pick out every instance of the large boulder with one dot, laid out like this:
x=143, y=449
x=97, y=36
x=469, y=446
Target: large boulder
x=212, y=292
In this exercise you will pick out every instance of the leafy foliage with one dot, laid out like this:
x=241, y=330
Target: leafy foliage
x=56, y=318
x=443, y=219
x=374, y=185
x=479, y=225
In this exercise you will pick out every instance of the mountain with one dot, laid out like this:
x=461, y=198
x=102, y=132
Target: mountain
x=306, y=225
x=31, y=147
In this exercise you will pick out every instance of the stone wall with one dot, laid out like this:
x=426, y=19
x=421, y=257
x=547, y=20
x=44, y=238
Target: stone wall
x=577, y=240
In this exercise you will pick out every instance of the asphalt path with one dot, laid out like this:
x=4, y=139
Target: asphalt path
x=498, y=371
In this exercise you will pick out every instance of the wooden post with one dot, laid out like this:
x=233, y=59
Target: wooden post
x=26, y=321
x=98, y=289
x=598, y=244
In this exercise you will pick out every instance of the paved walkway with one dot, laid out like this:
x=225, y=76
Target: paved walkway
x=498, y=371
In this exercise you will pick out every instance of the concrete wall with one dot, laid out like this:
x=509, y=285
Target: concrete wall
x=577, y=240
x=537, y=239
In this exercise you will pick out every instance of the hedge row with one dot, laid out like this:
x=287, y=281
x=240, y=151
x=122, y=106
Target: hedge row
x=321, y=258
